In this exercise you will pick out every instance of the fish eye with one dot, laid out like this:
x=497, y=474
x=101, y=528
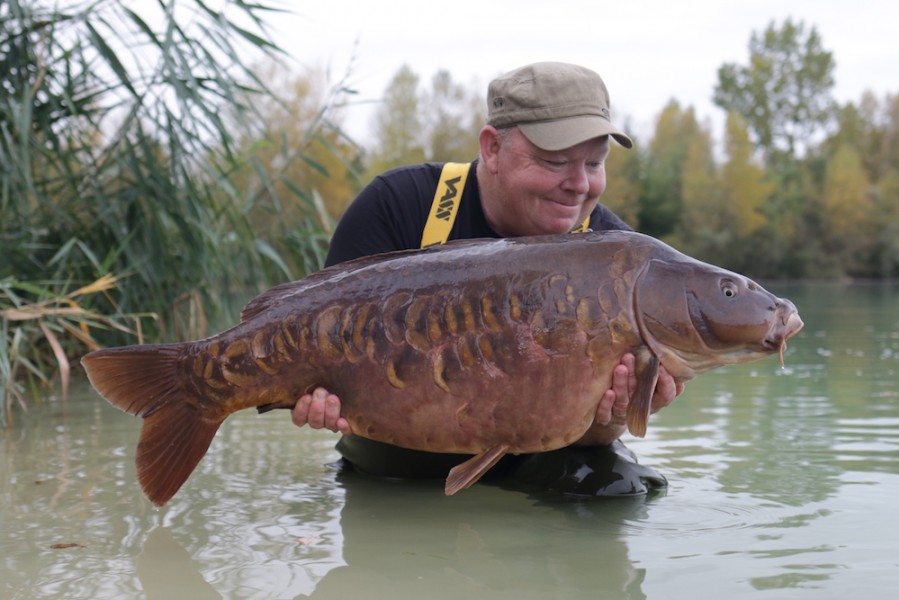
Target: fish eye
x=728, y=288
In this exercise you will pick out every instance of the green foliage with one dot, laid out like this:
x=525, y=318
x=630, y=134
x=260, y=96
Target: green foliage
x=847, y=209
x=398, y=125
x=783, y=93
x=703, y=225
x=885, y=256
x=661, y=200
x=453, y=118
x=40, y=335
x=743, y=182
x=871, y=127
x=120, y=137
x=411, y=125
x=623, y=171
x=301, y=170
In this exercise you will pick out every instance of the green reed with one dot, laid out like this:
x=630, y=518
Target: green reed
x=120, y=136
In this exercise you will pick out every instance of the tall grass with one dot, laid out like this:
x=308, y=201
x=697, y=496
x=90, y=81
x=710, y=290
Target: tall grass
x=37, y=334
x=120, y=134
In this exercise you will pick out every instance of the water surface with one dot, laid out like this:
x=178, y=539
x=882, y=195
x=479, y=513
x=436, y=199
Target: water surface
x=783, y=484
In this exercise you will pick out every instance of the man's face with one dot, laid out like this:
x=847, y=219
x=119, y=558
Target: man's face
x=541, y=191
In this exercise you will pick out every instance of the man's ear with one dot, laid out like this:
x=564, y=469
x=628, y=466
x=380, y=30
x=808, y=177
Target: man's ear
x=489, y=141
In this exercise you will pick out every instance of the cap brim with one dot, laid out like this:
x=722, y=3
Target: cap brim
x=559, y=134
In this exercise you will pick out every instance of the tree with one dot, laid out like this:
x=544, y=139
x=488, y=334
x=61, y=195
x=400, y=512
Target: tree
x=703, y=229
x=661, y=197
x=881, y=154
x=453, y=118
x=440, y=124
x=623, y=169
x=783, y=93
x=872, y=127
x=299, y=173
x=743, y=184
x=886, y=219
x=847, y=209
x=398, y=125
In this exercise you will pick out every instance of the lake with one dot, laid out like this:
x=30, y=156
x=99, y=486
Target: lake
x=783, y=483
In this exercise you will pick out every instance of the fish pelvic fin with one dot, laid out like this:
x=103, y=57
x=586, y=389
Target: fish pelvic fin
x=178, y=427
x=464, y=475
x=647, y=372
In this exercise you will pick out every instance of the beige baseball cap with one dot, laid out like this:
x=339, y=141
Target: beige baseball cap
x=555, y=105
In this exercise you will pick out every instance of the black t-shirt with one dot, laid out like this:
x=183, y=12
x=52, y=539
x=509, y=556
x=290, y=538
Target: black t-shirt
x=391, y=212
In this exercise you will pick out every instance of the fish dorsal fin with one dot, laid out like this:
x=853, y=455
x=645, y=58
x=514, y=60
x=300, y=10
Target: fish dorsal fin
x=646, y=369
x=274, y=296
x=466, y=474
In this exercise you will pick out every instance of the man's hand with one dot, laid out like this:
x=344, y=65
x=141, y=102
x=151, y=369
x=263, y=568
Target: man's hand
x=320, y=410
x=611, y=414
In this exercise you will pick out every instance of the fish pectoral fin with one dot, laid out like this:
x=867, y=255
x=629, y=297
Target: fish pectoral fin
x=647, y=372
x=466, y=474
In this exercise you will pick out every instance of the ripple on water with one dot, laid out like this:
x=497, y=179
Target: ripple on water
x=870, y=441
x=682, y=517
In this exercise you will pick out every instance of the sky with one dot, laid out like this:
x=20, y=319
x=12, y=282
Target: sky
x=647, y=51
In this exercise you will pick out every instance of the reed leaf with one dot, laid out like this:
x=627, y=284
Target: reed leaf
x=121, y=131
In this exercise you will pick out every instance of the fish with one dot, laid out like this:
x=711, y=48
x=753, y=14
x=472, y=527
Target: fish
x=482, y=347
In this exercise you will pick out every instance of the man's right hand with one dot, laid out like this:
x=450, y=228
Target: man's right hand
x=320, y=410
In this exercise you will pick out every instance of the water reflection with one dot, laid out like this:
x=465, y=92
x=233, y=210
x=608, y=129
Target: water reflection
x=409, y=542
x=780, y=479
x=166, y=570
x=404, y=540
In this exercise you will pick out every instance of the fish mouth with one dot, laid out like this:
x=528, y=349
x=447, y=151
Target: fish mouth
x=785, y=328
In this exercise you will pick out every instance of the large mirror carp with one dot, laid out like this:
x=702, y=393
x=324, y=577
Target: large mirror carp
x=483, y=347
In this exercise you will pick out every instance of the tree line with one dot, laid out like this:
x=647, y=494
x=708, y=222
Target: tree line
x=799, y=187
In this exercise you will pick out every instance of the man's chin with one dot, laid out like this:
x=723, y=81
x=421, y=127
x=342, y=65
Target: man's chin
x=561, y=225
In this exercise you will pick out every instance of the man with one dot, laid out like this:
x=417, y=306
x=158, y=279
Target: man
x=541, y=170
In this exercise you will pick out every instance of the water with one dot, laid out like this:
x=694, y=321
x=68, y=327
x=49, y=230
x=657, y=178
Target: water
x=783, y=484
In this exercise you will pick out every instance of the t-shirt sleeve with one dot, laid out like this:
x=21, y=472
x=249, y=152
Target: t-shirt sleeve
x=388, y=215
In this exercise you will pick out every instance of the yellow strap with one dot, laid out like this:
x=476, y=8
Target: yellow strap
x=585, y=226
x=445, y=204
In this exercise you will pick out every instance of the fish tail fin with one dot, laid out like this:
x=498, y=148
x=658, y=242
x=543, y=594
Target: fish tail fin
x=172, y=442
x=178, y=427
x=466, y=474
